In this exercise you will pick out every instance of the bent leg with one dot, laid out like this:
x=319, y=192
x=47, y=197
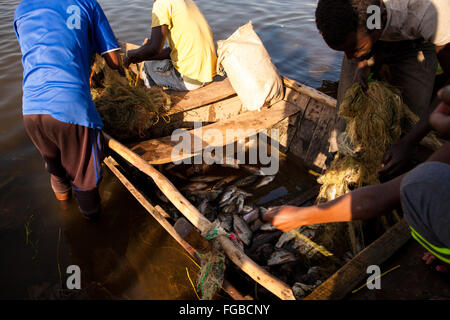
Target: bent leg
x=426, y=205
x=36, y=128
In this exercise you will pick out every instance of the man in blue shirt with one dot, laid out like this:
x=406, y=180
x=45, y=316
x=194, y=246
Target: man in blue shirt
x=58, y=40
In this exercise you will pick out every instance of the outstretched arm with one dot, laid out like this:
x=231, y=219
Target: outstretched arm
x=151, y=50
x=367, y=202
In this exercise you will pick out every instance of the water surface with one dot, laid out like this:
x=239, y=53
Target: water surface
x=127, y=255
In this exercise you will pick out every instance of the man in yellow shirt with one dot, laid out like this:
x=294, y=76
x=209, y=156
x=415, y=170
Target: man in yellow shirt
x=190, y=60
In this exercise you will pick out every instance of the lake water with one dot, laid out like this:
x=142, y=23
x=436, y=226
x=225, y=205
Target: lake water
x=127, y=254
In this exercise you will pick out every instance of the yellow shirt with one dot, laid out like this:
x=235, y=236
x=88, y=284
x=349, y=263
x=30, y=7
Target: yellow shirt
x=190, y=38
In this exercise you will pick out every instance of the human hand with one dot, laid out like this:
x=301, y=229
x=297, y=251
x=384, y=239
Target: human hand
x=395, y=158
x=285, y=218
x=440, y=118
x=362, y=75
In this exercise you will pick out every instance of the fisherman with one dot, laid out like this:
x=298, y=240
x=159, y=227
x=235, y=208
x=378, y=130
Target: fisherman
x=423, y=193
x=58, y=40
x=410, y=37
x=190, y=60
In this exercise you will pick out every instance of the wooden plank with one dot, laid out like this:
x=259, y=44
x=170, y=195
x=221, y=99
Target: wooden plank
x=159, y=151
x=352, y=273
x=160, y=216
x=212, y=92
x=236, y=255
x=311, y=92
x=318, y=150
x=306, y=127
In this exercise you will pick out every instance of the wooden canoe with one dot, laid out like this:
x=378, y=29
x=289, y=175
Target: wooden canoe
x=305, y=119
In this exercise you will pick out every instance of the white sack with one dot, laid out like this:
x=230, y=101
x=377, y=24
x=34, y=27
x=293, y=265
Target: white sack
x=250, y=69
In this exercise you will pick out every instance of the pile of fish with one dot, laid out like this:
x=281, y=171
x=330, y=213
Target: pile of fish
x=226, y=199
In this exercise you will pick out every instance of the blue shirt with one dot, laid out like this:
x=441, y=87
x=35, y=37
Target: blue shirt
x=58, y=39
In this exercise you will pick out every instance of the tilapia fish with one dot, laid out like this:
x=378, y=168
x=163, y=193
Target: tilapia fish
x=227, y=194
x=244, y=182
x=242, y=230
x=281, y=256
x=251, y=216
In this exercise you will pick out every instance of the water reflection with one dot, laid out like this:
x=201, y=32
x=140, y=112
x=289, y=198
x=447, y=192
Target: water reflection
x=127, y=254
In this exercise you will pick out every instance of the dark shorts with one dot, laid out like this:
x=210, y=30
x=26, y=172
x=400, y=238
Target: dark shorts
x=72, y=154
x=425, y=197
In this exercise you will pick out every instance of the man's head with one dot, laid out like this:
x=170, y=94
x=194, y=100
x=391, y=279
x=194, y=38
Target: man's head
x=343, y=25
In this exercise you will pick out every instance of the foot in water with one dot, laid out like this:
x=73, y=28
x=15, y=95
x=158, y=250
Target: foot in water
x=430, y=259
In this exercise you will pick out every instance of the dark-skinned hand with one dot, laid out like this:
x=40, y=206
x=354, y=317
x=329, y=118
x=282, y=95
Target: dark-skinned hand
x=395, y=159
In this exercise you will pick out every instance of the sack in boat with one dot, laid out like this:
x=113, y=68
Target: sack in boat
x=250, y=69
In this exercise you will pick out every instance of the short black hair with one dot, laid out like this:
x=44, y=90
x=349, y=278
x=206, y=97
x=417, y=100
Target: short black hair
x=336, y=19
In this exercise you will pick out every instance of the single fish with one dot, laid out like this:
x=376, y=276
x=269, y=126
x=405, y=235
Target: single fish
x=247, y=208
x=244, y=182
x=240, y=191
x=251, y=216
x=268, y=227
x=285, y=237
x=220, y=184
x=281, y=256
x=227, y=194
x=301, y=290
x=240, y=203
x=205, y=178
x=264, y=181
x=242, y=230
x=195, y=186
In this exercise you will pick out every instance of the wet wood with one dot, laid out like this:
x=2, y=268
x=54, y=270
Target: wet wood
x=159, y=151
x=160, y=215
x=235, y=254
x=351, y=274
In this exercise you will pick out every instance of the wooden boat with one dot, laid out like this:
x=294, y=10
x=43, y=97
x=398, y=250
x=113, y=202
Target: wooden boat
x=305, y=119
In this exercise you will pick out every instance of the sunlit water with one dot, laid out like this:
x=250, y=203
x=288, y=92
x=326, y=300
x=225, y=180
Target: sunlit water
x=127, y=254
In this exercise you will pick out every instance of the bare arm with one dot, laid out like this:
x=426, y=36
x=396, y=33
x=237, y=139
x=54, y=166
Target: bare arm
x=151, y=49
x=367, y=202
x=113, y=59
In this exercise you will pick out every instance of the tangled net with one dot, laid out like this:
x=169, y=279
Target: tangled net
x=375, y=120
x=128, y=109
